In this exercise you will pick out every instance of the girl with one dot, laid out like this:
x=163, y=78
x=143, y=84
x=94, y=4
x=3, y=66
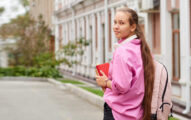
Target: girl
x=130, y=82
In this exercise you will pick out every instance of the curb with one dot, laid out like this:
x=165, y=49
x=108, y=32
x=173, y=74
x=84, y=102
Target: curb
x=90, y=97
x=23, y=78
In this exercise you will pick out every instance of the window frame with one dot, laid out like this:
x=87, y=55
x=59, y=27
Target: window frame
x=175, y=31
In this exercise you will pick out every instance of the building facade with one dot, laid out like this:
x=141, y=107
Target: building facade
x=44, y=9
x=168, y=32
x=166, y=24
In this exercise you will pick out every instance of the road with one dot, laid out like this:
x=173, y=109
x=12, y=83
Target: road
x=35, y=100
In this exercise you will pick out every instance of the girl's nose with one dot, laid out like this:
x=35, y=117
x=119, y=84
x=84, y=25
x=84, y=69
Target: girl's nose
x=115, y=26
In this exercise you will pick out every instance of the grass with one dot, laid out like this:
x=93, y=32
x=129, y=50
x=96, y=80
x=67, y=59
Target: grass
x=93, y=90
x=71, y=81
x=173, y=118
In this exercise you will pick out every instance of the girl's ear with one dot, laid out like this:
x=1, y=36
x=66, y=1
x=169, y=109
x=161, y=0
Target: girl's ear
x=133, y=27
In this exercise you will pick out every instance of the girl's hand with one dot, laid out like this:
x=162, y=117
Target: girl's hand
x=101, y=80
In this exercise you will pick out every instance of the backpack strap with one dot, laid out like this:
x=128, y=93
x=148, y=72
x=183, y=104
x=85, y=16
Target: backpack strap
x=164, y=91
x=163, y=94
x=156, y=87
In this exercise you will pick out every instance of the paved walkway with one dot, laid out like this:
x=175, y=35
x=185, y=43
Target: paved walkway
x=33, y=100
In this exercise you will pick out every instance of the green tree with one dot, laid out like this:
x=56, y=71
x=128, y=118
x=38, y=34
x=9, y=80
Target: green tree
x=73, y=49
x=2, y=9
x=32, y=36
x=25, y=3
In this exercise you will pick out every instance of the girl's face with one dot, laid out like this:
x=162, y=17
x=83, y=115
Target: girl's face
x=122, y=27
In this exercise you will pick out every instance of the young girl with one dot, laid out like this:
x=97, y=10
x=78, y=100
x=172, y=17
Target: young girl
x=130, y=82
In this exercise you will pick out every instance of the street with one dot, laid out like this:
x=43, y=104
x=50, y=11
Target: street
x=35, y=100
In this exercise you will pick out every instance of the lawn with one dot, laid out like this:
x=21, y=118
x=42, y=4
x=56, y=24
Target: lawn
x=94, y=90
x=70, y=81
x=90, y=89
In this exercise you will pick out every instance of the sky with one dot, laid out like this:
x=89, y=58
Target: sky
x=12, y=9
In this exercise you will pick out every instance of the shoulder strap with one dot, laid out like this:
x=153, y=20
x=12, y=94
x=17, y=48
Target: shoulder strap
x=164, y=91
x=158, y=73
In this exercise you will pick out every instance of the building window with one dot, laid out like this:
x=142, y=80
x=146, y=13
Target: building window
x=84, y=28
x=60, y=36
x=76, y=31
x=96, y=32
x=80, y=32
x=68, y=33
x=103, y=41
x=91, y=40
x=110, y=31
x=176, y=45
x=156, y=33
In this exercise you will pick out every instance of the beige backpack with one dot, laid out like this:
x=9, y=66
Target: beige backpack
x=161, y=105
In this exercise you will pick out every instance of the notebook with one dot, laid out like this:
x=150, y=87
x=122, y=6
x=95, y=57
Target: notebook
x=103, y=67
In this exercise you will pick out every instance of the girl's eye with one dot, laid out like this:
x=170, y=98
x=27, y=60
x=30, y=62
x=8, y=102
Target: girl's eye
x=115, y=22
x=121, y=23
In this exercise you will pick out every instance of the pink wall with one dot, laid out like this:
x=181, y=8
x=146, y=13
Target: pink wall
x=156, y=33
x=169, y=6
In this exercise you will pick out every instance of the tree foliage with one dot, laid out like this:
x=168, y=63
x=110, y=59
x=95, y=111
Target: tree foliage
x=2, y=9
x=32, y=47
x=25, y=3
x=31, y=54
x=32, y=37
x=73, y=49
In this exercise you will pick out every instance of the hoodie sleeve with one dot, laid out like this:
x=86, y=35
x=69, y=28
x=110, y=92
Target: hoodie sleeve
x=121, y=75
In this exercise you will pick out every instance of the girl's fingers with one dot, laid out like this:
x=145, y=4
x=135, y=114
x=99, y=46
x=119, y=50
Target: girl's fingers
x=96, y=72
x=97, y=77
x=102, y=72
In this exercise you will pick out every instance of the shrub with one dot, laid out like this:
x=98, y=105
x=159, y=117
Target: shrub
x=31, y=71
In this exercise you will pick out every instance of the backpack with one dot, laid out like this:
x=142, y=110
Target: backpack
x=161, y=105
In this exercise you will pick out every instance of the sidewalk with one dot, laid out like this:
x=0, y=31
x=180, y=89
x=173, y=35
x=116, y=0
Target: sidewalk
x=99, y=100
x=84, y=94
x=25, y=98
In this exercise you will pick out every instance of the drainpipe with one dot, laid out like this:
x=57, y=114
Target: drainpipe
x=185, y=15
x=187, y=109
x=106, y=30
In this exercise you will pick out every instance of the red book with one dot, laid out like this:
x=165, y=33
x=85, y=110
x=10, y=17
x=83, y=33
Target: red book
x=103, y=67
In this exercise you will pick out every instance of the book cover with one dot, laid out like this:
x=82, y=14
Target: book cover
x=103, y=67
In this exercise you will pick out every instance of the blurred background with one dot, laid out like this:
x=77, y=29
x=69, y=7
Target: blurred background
x=57, y=38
